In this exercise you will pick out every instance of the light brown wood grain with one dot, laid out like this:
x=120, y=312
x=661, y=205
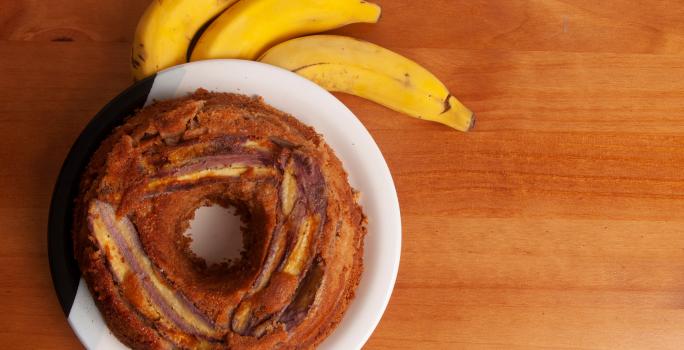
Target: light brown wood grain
x=557, y=224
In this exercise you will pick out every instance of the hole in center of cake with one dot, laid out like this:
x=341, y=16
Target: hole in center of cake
x=216, y=234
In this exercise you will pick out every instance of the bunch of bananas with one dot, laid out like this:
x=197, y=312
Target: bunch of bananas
x=273, y=32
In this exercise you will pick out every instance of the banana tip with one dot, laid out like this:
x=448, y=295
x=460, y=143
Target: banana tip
x=472, y=123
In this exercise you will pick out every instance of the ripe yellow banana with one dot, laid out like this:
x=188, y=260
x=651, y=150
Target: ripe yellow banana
x=360, y=68
x=251, y=26
x=165, y=30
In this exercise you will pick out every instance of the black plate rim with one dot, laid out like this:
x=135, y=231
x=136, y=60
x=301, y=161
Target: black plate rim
x=63, y=268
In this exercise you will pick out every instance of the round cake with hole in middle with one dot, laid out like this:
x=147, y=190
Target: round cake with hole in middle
x=303, y=229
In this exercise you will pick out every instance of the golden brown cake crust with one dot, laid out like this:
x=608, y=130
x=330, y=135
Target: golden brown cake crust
x=303, y=238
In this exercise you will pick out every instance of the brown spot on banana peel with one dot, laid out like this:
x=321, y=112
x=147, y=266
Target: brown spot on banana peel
x=134, y=62
x=307, y=66
x=472, y=122
x=447, y=107
x=407, y=80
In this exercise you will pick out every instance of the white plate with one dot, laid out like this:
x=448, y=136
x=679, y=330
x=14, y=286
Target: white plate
x=352, y=143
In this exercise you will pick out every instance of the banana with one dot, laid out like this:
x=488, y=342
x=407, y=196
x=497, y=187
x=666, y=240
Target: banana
x=344, y=64
x=251, y=26
x=165, y=31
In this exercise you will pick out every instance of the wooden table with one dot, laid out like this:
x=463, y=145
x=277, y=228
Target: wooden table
x=557, y=223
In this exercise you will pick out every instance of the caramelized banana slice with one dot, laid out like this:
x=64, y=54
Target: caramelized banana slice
x=119, y=240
